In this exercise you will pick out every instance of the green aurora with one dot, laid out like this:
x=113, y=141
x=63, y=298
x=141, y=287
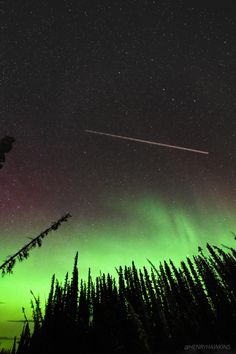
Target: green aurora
x=134, y=230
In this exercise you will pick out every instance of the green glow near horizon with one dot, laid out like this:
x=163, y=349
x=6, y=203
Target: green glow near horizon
x=134, y=230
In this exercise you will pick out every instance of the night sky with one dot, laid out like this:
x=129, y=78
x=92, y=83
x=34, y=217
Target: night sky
x=162, y=71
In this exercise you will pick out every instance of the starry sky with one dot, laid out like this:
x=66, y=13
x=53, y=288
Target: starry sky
x=156, y=70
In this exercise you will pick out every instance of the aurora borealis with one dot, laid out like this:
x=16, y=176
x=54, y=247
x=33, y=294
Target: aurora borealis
x=155, y=70
x=135, y=230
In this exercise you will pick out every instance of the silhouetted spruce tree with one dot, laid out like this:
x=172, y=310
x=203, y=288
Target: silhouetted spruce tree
x=137, y=313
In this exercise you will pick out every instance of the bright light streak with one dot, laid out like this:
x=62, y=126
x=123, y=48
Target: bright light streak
x=148, y=142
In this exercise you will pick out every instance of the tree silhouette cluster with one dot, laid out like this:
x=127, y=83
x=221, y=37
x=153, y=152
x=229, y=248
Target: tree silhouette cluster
x=23, y=253
x=5, y=146
x=140, y=311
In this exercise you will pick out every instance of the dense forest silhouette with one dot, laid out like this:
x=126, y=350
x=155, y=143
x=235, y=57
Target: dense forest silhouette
x=162, y=310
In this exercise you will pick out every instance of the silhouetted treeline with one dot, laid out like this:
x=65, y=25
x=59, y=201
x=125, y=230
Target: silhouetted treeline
x=142, y=311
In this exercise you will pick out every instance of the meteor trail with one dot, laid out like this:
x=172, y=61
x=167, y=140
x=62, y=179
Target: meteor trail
x=147, y=142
